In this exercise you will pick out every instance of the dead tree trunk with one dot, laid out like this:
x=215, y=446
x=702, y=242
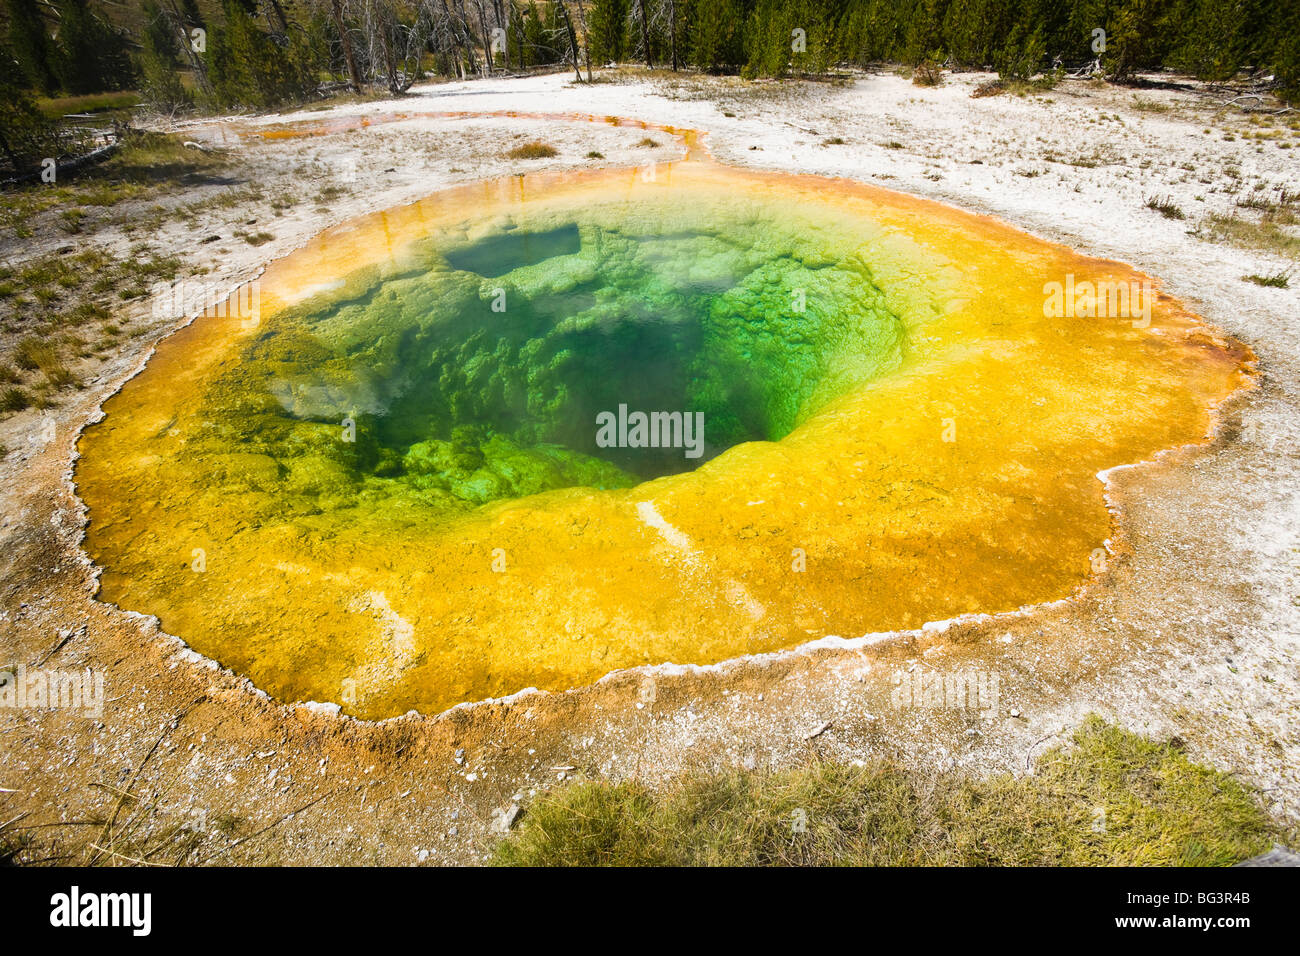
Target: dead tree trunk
x=196, y=62
x=386, y=30
x=502, y=14
x=586, y=40
x=573, y=39
x=645, y=33
x=462, y=31
x=349, y=57
x=672, y=31
x=487, y=38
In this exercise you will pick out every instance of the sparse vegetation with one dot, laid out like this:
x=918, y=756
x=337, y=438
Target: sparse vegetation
x=1165, y=206
x=14, y=399
x=1111, y=798
x=70, y=289
x=927, y=74
x=329, y=194
x=1267, y=234
x=146, y=165
x=1278, y=280
x=533, y=150
x=33, y=353
x=138, y=829
x=1144, y=105
x=989, y=88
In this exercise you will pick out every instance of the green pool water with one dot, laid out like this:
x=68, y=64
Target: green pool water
x=477, y=371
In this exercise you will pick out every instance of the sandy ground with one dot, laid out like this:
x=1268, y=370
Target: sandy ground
x=1191, y=630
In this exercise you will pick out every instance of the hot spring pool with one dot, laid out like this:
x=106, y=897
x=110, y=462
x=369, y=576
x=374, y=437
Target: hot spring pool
x=532, y=431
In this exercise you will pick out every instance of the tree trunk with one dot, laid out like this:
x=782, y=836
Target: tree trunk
x=464, y=38
x=487, y=38
x=573, y=39
x=196, y=62
x=586, y=40
x=279, y=15
x=523, y=59
x=386, y=47
x=503, y=21
x=672, y=31
x=336, y=13
x=645, y=34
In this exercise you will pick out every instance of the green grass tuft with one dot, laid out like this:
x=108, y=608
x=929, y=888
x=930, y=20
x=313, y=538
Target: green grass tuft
x=1267, y=233
x=1165, y=206
x=14, y=399
x=1279, y=280
x=1110, y=798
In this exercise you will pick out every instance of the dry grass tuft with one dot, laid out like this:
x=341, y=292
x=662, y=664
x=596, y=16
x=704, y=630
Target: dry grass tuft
x=1110, y=798
x=533, y=150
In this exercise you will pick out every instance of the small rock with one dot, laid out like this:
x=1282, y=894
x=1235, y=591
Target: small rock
x=504, y=819
x=818, y=731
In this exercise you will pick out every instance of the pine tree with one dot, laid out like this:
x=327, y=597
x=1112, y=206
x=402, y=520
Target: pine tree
x=608, y=21
x=90, y=56
x=717, y=41
x=248, y=69
x=975, y=29
x=1136, y=40
x=30, y=43
x=1282, y=50
x=25, y=133
x=160, y=84
x=925, y=33
x=767, y=39
x=190, y=10
x=1023, y=54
